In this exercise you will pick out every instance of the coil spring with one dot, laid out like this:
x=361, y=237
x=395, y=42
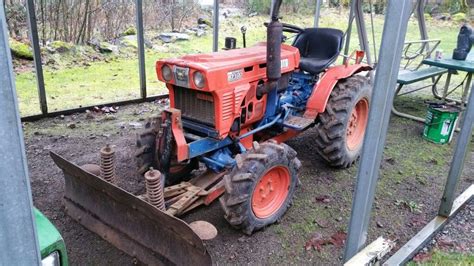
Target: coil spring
x=107, y=164
x=154, y=189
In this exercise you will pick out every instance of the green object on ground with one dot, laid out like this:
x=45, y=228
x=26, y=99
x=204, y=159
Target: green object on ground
x=20, y=50
x=50, y=240
x=440, y=123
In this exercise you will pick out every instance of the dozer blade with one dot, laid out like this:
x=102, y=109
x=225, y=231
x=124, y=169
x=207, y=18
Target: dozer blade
x=127, y=222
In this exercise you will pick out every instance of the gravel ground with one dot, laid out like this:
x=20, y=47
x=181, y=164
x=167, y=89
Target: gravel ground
x=457, y=236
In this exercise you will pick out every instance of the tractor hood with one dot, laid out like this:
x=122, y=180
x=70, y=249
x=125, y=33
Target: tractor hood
x=225, y=69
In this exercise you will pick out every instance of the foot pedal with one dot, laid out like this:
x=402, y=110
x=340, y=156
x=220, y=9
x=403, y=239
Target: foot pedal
x=298, y=122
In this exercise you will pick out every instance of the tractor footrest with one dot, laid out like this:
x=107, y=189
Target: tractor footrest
x=298, y=122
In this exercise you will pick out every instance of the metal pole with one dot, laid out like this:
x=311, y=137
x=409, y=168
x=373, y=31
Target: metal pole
x=33, y=32
x=141, y=48
x=349, y=32
x=18, y=238
x=395, y=26
x=420, y=13
x=317, y=13
x=459, y=157
x=361, y=30
x=420, y=16
x=215, y=26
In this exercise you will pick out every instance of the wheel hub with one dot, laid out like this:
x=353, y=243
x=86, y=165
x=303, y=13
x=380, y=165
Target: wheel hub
x=271, y=192
x=357, y=124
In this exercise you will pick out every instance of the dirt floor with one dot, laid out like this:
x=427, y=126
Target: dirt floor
x=413, y=174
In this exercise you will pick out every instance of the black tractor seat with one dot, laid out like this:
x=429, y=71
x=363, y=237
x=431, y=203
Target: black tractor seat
x=319, y=48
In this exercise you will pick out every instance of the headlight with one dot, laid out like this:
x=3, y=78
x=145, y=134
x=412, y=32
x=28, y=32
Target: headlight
x=166, y=72
x=51, y=260
x=199, y=79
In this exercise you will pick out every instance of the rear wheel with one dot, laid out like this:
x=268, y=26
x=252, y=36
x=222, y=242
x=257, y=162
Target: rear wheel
x=146, y=156
x=342, y=126
x=260, y=188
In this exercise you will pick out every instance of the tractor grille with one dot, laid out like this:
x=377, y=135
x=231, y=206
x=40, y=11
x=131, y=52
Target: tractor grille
x=195, y=105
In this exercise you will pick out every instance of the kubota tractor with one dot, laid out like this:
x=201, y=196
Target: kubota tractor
x=233, y=110
x=230, y=114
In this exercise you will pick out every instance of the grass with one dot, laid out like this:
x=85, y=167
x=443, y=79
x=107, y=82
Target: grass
x=118, y=79
x=439, y=258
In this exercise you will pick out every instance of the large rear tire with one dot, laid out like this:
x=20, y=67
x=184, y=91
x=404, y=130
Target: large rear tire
x=146, y=156
x=260, y=188
x=340, y=133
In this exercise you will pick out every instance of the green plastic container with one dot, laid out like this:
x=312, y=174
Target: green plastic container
x=440, y=123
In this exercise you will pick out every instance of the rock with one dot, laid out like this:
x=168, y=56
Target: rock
x=71, y=125
x=445, y=16
x=135, y=124
x=20, y=50
x=128, y=41
x=379, y=224
x=339, y=219
x=89, y=115
x=95, y=42
x=253, y=14
x=459, y=17
x=59, y=47
x=105, y=47
x=168, y=37
x=148, y=44
x=200, y=32
x=322, y=223
x=130, y=31
x=204, y=21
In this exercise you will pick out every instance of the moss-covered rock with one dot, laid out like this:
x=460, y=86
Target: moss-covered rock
x=130, y=31
x=459, y=17
x=105, y=47
x=20, y=50
x=60, y=47
x=128, y=41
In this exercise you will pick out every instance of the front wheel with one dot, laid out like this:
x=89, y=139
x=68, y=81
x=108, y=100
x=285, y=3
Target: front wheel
x=146, y=155
x=260, y=188
x=340, y=133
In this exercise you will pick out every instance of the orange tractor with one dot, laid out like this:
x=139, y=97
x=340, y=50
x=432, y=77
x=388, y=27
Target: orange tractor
x=230, y=114
x=232, y=111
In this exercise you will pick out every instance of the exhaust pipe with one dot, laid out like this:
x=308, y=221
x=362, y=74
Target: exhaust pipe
x=274, y=33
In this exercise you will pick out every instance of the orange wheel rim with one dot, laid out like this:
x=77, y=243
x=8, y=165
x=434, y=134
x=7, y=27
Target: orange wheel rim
x=271, y=192
x=357, y=124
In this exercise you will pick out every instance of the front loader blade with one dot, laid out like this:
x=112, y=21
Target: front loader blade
x=127, y=222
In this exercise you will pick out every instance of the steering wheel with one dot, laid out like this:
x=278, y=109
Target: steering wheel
x=288, y=28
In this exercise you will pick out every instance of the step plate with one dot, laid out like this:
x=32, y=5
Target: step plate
x=298, y=122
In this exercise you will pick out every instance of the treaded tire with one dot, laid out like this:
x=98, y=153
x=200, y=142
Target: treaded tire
x=331, y=139
x=145, y=144
x=146, y=157
x=241, y=183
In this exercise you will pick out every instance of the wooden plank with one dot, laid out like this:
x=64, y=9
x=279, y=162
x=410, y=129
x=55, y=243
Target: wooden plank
x=372, y=254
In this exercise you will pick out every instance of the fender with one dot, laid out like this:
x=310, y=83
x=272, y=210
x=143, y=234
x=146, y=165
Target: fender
x=322, y=90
